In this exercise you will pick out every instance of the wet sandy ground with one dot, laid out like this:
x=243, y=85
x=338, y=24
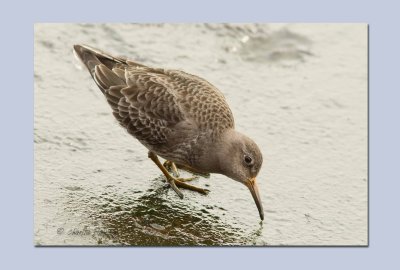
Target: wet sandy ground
x=300, y=91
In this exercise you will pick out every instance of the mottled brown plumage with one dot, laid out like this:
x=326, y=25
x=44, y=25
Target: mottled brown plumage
x=176, y=115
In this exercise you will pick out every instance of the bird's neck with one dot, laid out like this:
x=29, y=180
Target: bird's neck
x=217, y=152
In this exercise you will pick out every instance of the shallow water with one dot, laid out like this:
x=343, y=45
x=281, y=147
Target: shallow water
x=300, y=91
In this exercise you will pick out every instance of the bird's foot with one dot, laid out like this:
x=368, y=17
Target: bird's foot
x=205, y=175
x=175, y=182
x=180, y=182
x=171, y=167
x=188, y=179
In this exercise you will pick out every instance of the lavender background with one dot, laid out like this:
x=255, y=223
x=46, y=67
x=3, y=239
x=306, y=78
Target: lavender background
x=16, y=198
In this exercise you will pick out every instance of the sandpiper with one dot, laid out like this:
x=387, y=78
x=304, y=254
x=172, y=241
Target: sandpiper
x=177, y=116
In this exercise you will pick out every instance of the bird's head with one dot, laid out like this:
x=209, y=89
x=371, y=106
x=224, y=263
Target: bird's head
x=241, y=159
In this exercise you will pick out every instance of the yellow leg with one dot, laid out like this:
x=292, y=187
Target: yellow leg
x=171, y=167
x=175, y=182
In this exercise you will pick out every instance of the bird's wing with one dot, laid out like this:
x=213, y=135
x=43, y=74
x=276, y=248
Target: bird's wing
x=142, y=98
x=141, y=101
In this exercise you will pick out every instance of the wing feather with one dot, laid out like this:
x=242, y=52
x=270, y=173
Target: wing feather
x=145, y=107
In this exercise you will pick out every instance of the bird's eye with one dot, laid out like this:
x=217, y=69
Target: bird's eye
x=248, y=160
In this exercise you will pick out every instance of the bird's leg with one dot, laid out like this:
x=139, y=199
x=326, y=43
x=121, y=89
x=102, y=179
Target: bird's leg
x=170, y=178
x=171, y=167
x=175, y=182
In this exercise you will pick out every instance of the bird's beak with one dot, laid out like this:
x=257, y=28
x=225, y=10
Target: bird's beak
x=252, y=185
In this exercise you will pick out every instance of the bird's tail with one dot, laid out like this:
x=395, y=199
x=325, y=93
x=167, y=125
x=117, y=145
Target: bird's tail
x=105, y=69
x=92, y=57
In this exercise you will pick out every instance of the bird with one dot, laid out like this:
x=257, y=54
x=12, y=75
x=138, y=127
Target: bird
x=177, y=116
